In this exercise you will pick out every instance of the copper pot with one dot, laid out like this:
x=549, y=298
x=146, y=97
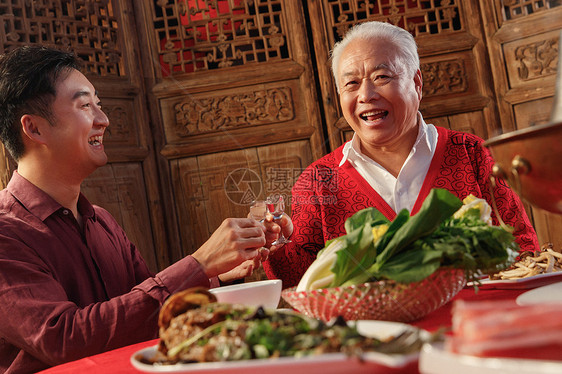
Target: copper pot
x=530, y=160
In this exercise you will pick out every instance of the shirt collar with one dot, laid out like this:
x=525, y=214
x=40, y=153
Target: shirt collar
x=352, y=149
x=38, y=202
x=423, y=139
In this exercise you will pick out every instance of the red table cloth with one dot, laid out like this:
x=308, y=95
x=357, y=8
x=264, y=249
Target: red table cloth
x=118, y=360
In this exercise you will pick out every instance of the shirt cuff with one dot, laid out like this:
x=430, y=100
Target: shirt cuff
x=215, y=282
x=185, y=273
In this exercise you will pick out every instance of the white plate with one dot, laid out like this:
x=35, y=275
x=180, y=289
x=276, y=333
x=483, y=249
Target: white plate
x=545, y=294
x=371, y=362
x=435, y=360
x=520, y=283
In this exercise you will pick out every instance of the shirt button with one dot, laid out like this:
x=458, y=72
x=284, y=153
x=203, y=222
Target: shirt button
x=65, y=212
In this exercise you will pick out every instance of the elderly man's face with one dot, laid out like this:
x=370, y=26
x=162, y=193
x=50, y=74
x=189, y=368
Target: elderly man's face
x=379, y=99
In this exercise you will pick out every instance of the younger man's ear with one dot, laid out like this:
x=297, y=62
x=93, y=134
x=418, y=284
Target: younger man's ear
x=32, y=127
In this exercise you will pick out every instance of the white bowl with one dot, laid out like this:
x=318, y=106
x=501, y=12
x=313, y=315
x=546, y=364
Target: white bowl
x=265, y=293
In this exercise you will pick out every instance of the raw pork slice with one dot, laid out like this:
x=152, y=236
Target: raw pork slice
x=500, y=329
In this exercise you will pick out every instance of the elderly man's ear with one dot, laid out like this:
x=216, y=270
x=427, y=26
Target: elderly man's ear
x=418, y=80
x=32, y=127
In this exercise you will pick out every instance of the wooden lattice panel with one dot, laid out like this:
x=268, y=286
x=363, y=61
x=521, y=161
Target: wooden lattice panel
x=516, y=9
x=200, y=35
x=417, y=16
x=87, y=27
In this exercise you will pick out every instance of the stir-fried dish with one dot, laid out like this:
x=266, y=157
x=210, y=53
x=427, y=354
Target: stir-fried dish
x=195, y=328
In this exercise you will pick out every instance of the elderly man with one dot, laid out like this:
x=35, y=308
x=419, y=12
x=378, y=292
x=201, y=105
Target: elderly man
x=71, y=283
x=394, y=158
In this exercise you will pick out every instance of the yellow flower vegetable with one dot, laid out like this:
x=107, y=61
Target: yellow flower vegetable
x=378, y=232
x=473, y=202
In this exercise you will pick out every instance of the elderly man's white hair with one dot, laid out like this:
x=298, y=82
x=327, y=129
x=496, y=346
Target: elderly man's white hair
x=408, y=51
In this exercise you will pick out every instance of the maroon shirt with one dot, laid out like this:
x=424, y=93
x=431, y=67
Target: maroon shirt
x=67, y=294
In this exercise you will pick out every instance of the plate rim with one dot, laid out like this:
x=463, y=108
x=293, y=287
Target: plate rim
x=485, y=365
x=487, y=282
x=537, y=290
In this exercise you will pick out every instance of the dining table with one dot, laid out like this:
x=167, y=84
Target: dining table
x=119, y=360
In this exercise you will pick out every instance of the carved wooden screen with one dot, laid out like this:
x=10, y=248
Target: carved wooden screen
x=207, y=35
x=233, y=97
x=456, y=91
x=102, y=35
x=523, y=37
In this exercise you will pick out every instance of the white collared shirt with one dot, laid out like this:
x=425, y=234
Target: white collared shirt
x=402, y=192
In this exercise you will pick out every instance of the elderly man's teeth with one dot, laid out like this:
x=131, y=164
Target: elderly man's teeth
x=373, y=115
x=95, y=140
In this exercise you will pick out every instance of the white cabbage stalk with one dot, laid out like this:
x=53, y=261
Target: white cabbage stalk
x=319, y=274
x=472, y=202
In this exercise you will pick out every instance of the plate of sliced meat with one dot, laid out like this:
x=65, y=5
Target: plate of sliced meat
x=491, y=337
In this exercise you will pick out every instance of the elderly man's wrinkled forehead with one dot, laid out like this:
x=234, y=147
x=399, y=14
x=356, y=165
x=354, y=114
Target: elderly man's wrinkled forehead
x=368, y=49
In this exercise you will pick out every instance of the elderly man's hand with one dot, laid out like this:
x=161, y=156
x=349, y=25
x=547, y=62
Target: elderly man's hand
x=235, y=241
x=246, y=268
x=273, y=228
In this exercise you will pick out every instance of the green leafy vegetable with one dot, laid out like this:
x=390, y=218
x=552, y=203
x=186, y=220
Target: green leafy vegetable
x=439, y=204
x=412, y=248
